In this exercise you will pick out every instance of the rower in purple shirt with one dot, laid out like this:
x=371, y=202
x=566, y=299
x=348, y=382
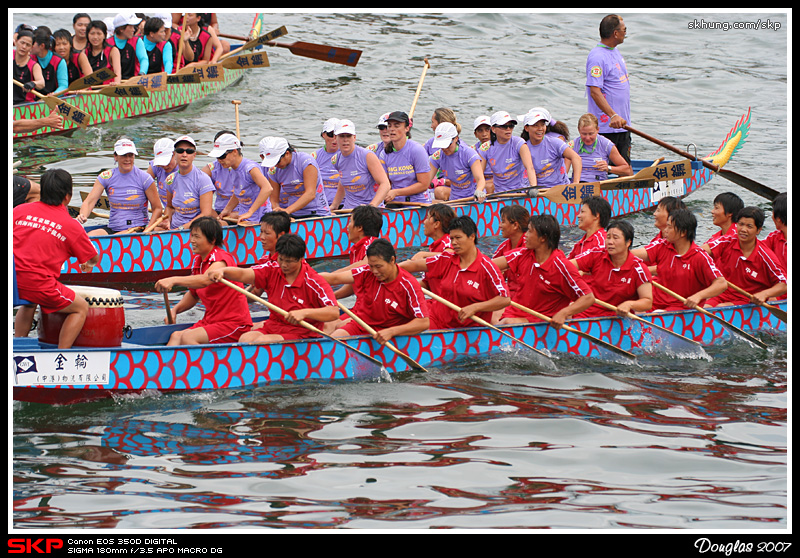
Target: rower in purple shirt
x=362, y=178
x=406, y=163
x=507, y=156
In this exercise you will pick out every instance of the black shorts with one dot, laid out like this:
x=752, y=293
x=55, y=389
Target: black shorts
x=622, y=140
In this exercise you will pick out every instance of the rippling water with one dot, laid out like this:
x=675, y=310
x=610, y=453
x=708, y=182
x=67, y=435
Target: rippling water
x=487, y=443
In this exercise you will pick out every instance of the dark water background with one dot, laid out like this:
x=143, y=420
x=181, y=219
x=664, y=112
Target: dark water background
x=671, y=444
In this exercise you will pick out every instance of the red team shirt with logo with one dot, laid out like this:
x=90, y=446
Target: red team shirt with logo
x=308, y=290
x=227, y=314
x=612, y=284
x=45, y=236
x=479, y=282
x=684, y=274
x=549, y=287
x=757, y=272
x=386, y=304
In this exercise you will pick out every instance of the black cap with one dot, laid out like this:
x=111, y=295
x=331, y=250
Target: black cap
x=399, y=116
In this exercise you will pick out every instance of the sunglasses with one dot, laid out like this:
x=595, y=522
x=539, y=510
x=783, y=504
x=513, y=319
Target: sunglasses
x=188, y=150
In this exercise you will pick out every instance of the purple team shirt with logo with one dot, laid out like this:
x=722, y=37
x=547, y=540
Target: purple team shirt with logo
x=126, y=197
x=291, y=186
x=457, y=168
x=403, y=165
x=358, y=183
x=606, y=69
x=186, y=191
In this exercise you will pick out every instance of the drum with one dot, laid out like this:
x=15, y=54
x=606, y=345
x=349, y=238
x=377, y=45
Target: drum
x=104, y=323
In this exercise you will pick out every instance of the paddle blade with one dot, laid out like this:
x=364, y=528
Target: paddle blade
x=346, y=56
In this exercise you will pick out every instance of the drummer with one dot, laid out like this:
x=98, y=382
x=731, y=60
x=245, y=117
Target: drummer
x=45, y=236
x=227, y=315
x=388, y=299
x=129, y=190
x=290, y=284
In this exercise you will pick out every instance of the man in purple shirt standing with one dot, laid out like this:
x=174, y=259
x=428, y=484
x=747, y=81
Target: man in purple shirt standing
x=608, y=87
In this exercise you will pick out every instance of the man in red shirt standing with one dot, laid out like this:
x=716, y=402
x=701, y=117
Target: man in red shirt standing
x=291, y=284
x=388, y=298
x=746, y=262
x=683, y=267
x=45, y=236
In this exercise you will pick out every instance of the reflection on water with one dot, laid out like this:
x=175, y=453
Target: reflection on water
x=695, y=445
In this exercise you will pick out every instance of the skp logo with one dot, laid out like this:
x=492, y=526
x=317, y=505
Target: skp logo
x=31, y=546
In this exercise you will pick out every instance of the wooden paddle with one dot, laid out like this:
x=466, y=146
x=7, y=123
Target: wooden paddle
x=752, y=185
x=736, y=330
x=484, y=323
x=179, y=58
x=369, y=329
x=632, y=316
x=305, y=324
x=62, y=107
x=250, y=44
x=419, y=89
x=779, y=313
x=236, y=104
x=98, y=77
x=169, y=310
x=576, y=331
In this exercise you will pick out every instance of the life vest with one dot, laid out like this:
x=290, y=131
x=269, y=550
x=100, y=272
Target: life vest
x=129, y=62
x=50, y=74
x=22, y=74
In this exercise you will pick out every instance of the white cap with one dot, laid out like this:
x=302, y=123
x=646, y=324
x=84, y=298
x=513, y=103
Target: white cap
x=480, y=121
x=125, y=19
x=384, y=119
x=223, y=144
x=163, y=150
x=535, y=115
x=443, y=135
x=501, y=117
x=124, y=146
x=345, y=127
x=187, y=139
x=330, y=125
x=272, y=149
x=165, y=17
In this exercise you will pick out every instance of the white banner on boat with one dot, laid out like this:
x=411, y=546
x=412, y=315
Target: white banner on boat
x=61, y=368
x=660, y=190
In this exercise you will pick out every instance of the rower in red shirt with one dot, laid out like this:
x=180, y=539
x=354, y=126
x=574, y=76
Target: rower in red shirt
x=291, y=284
x=436, y=226
x=227, y=315
x=746, y=262
x=364, y=226
x=514, y=221
x=593, y=219
x=776, y=240
x=619, y=277
x=465, y=277
x=683, y=267
x=388, y=298
x=553, y=286
x=45, y=236
x=724, y=214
